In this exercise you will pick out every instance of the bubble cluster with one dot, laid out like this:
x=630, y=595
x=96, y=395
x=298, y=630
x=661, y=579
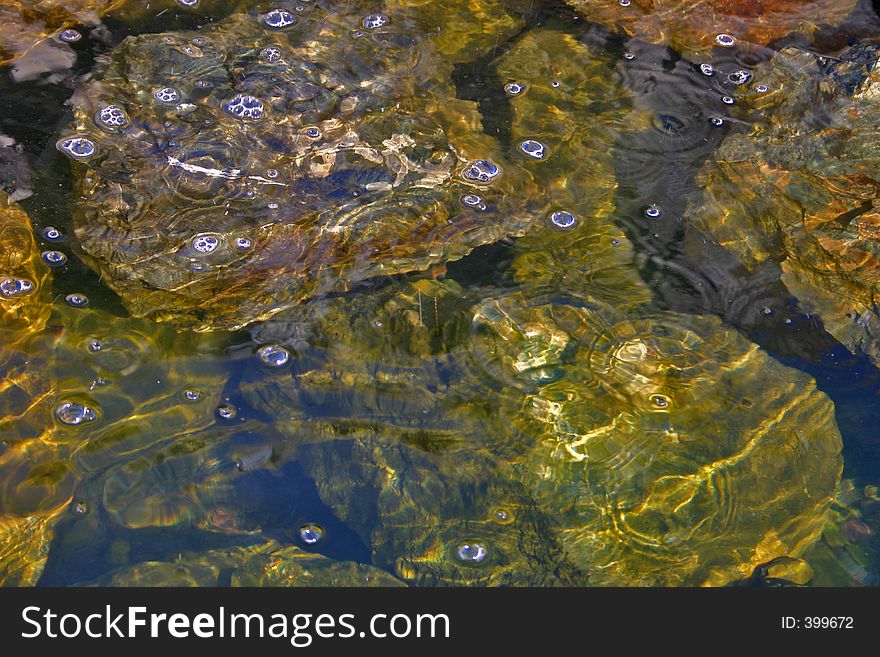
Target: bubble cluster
x=373, y=21
x=739, y=77
x=471, y=552
x=279, y=19
x=77, y=300
x=481, y=171
x=54, y=258
x=74, y=413
x=533, y=149
x=69, y=36
x=473, y=201
x=12, y=287
x=77, y=148
x=311, y=534
x=167, y=95
x=563, y=219
x=205, y=243
x=271, y=54
x=244, y=106
x=514, y=88
x=273, y=355
x=111, y=117
x=725, y=40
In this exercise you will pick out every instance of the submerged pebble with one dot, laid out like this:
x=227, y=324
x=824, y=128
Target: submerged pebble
x=244, y=106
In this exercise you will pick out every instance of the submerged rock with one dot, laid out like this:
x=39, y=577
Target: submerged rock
x=653, y=441
x=569, y=108
x=33, y=489
x=233, y=172
x=695, y=26
x=800, y=189
x=266, y=564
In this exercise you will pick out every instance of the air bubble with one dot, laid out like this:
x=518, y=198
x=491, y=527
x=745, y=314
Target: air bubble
x=54, y=258
x=615, y=242
x=279, y=19
x=374, y=21
x=472, y=552
x=707, y=69
x=69, y=36
x=653, y=212
x=227, y=411
x=95, y=346
x=77, y=148
x=74, y=413
x=243, y=243
x=716, y=121
x=167, y=95
x=555, y=83
x=625, y=3
x=514, y=88
x=272, y=206
x=660, y=401
x=313, y=132
x=188, y=3
x=629, y=56
x=563, y=219
x=274, y=355
x=533, y=149
x=77, y=300
x=311, y=534
x=191, y=394
x=272, y=173
x=762, y=88
x=727, y=100
x=52, y=234
x=244, y=106
x=12, y=287
x=205, y=243
x=80, y=508
x=111, y=118
x=725, y=41
x=481, y=171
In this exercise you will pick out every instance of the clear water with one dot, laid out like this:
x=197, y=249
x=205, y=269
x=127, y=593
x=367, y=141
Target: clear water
x=629, y=355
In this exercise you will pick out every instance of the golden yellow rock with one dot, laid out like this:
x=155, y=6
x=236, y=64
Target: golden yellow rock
x=691, y=26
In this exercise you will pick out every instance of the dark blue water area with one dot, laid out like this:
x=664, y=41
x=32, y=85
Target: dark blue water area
x=274, y=504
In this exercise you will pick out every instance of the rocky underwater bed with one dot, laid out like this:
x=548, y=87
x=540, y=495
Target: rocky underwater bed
x=439, y=292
